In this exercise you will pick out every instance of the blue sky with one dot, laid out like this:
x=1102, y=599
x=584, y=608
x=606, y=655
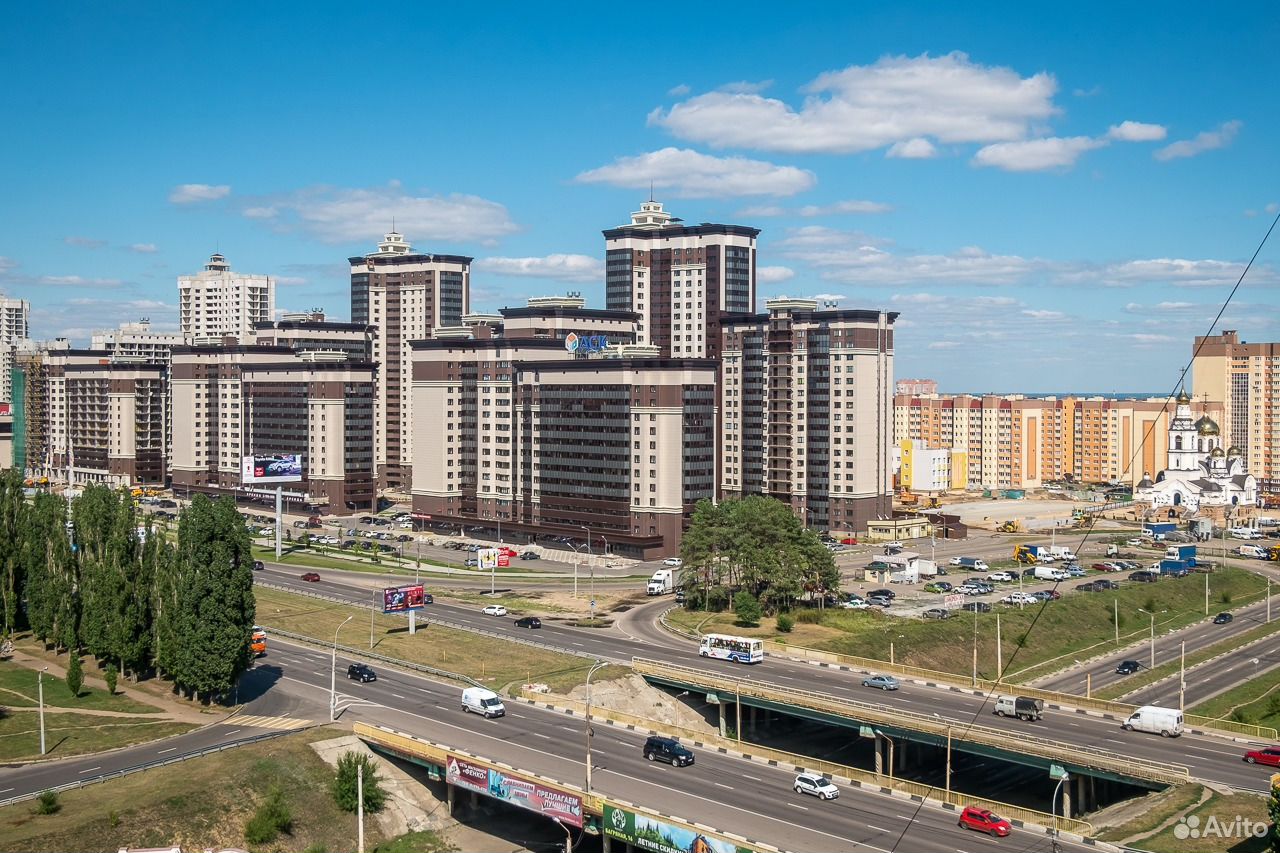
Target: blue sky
x=1053, y=200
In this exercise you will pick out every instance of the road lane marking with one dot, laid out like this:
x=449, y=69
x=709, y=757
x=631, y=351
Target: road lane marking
x=798, y=806
x=90, y=770
x=752, y=778
x=6, y=790
x=878, y=829
x=234, y=731
x=726, y=787
x=170, y=749
x=398, y=696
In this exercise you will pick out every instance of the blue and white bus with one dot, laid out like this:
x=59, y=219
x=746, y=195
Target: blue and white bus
x=736, y=649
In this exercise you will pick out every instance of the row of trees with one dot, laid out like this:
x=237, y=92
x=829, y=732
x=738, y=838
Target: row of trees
x=756, y=544
x=88, y=576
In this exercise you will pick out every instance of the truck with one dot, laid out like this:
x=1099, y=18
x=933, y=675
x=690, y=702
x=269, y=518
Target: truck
x=663, y=581
x=258, y=642
x=1158, y=529
x=1255, y=551
x=1022, y=707
x=1174, y=568
x=973, y=563
x=1062, y=552
x=1185, y=553
x=1033, y=554
x=1048, y=573
x=1244, y=533
x=1166, y=722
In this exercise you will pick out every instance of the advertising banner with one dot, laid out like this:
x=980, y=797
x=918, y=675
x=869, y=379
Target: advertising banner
x=648, y=833
x=525, y=793
x=953, y=602
x=398, y=599
x=488, y=558
x=279, y=468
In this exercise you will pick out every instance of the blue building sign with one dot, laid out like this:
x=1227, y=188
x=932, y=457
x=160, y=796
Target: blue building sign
x=585, y=344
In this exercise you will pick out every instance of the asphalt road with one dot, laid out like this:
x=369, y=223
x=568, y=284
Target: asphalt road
x=1212, y=677
x=1209, y=758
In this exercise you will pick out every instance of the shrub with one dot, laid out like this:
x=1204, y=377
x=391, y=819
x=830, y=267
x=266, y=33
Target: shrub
x=271, y=819
x=785, y=623
x=1224, y=597
x=809, y=616
x=47, y=803
x=344, y=784
x=111, y=675
x=75, y=674
x=748, y=609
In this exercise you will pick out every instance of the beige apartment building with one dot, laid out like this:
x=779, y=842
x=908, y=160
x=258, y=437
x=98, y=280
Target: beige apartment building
x=806, y=411
x=1017, y=442
x=14, y=327
x=548, y=420
x=405, y=295
x=217, y=303
x=1246, y=378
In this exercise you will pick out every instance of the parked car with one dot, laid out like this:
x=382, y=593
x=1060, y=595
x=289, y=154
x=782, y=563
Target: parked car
x=528, y=622
x=1128, y=667
x=967, y=589
x=982, y=820
x=956, y=561
x=404, y=537
x=258, y=565
x=1046, y=595
x=1222, y=618
x=1076, y=571
x=310, y=577
x=886, y=593
x=819, y=786
x=936, y=613
x=266, y=531
x=667, y=749
x=1002, y=577
x=1270, y=756
x=882, y=682
x=1144, y=577
x=494, y=610
x=879, y=600
x=1104, y=567
x=361, y=672
x=849, y=540
x=1089, y=586
x=1020, y=598
x=937, y=586
x=529, y=555
x=977, y=607
x=853, y=602
x=675, y=562
x=471, y=562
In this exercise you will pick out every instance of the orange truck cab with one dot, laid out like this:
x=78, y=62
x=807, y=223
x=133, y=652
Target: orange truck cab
x=258, y=642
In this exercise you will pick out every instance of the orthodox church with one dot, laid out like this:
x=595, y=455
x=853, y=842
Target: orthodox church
x=1201, y=475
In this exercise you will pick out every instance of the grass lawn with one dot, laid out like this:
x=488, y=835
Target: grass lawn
x=1150, y=676
x=18, y=690
x=492, y=661
x=1160, y=807
x=1224, y=811
x=1257, y=700
x=69, y=733
x=1076, y=621
x=198, y=804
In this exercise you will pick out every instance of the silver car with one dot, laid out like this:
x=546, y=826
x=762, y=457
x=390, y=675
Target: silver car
x=884, y=682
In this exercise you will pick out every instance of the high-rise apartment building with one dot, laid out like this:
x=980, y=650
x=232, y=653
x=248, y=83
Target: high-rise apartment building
x=217, y=303
x=13, y=328
x=915, y=386
x=406, y=296
x=1246, y=378
x=681, y=279
x=138, y=342
x=1016, y=442
x=548, y=420
x=806, y=411
x=313, y=396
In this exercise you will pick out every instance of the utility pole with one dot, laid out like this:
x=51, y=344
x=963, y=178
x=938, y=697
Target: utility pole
x=999, y=651
x=1182, y=678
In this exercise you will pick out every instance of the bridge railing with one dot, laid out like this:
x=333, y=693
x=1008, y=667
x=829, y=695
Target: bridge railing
x=940, y=727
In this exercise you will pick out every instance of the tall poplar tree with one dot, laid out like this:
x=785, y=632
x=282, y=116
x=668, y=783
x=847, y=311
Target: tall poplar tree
x=49, y=568
x=14, y=521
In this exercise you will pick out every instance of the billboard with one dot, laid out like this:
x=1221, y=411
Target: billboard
x=649, y=833
x=277, y=468
x=582, y=344
x=488, y=558
x=548, y=802
x=399, y=599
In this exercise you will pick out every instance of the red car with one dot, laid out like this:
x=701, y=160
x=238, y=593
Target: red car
x=1106, y=567
x=1269, y=756
x=849, y=540
x=984, y=821
x=311, y=577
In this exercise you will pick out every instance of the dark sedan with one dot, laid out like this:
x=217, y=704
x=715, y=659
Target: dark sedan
x=528, y=622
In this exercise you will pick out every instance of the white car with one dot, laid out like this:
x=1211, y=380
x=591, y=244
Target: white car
x=894, y=544
x=673, y=561
x=820, y=786
x=267, y=531
x=1000, y=576
x=495, y=610
x=406, y=525
x=1020, y=598
x=955, y=561
x=853, y=604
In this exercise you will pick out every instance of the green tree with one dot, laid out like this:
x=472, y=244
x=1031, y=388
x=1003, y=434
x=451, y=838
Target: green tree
x=49, y=568
x=75, y=674
x=1273, y=809
x=748, y=609
x=164, y=638
x=344, y=784
x=14, y=529
x=111, y=675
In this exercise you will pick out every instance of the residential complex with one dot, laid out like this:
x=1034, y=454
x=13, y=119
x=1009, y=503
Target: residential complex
x=217, y=303
x=680, y=279
x=806, y=410
x=1245, y=377
x=405, y=295
x=1017, y=442
x=13, y=328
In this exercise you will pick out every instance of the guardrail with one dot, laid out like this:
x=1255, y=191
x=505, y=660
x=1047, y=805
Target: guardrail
x=829, y=768
x=458, y=626
x=865, y=712
x=148, y=765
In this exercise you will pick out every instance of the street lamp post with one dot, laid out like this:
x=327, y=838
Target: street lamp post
x=40, y=690
x=1053, y=808
x=333, y=673
x=1153, y=634
x=590, y=673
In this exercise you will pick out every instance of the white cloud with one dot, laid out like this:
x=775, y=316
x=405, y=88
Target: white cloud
x=193, y=193
x=1180, y=272
x=84, y=242
x=761, y=210
x=289, y=280
x=863, y=107
x=943, y=345
x=912, y=149
x=78, y=281
x=853, y=258
x=850, y=206
x=1136, y=131
x=830, y=297
x=1040, y=314
x=143, y=248
x=1087, y=93
x=917, y=298
x=1034, y=155
x=745, y=87
x=1142, y=339
x=6, y=265
x=1273, y=207
x=564, y=267
x=342, y=215
x=774, y=275
x=679, y=91
x=691, y=174
x=1205, y=141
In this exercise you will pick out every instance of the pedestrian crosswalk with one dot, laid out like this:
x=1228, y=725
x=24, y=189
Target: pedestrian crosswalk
x=279, y=723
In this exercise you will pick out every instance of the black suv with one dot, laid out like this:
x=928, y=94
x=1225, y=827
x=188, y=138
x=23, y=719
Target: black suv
x=1128, y=667
x=361, y=672
x=669, y=750
x=1144, y=577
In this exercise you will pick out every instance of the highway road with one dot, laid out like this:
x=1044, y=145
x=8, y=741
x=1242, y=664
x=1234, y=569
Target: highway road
x=636, y=634
x=1212, y=677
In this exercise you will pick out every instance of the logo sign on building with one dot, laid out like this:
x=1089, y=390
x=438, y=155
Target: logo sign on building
x=524, y=793
x=648, y=833
x=280, y=468
x=399, y=599
x=584, y=344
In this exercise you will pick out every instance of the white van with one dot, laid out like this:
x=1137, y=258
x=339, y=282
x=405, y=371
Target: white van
x=1048, y=574
x=480, y=700
x=1165, y=722
x=1244, y=533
